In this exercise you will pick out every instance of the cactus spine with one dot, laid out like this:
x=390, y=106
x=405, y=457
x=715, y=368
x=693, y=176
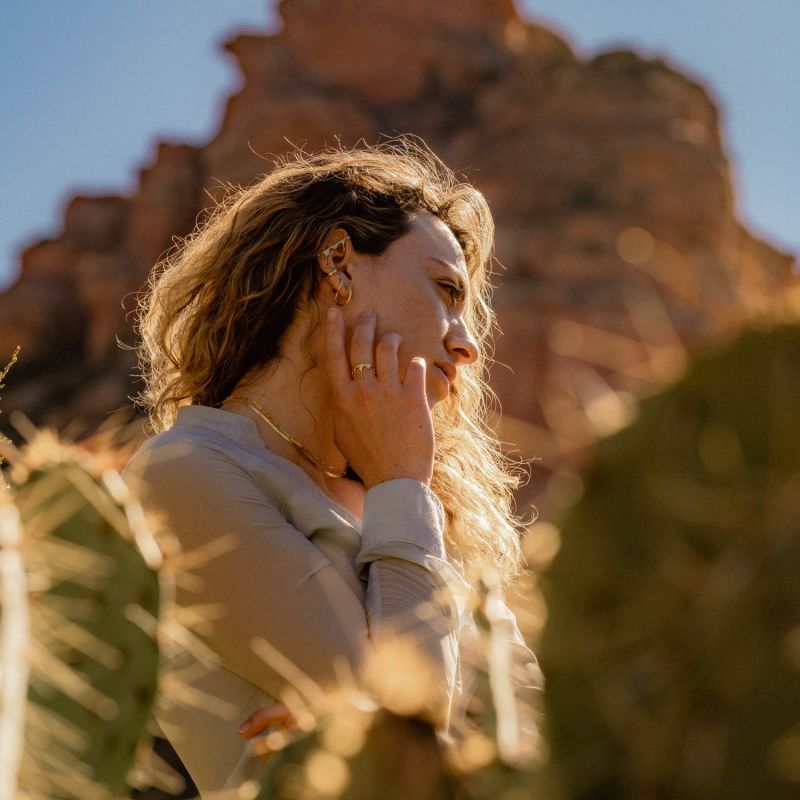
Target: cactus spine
x=79, y=562
x=14, y=638
x=372, y=741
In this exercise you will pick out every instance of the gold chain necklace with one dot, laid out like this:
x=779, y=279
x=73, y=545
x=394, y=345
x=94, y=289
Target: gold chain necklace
x=257, y=408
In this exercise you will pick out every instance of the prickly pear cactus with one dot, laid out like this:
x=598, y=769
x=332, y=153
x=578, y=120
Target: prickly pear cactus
x=378, y=740
x=672, y=650
x=357, y=753
x=95, y=595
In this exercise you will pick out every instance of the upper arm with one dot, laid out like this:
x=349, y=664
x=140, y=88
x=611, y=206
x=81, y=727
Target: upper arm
x=272, y=582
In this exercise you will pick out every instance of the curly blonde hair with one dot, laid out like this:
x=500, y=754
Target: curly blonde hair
x=216, y=307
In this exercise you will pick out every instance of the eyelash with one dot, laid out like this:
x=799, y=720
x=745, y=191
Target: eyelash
x=455, y=292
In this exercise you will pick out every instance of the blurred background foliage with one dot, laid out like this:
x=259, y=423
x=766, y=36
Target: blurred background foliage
x=671, y=647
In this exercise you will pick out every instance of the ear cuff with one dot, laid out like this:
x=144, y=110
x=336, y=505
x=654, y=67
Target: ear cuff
x=326, y=252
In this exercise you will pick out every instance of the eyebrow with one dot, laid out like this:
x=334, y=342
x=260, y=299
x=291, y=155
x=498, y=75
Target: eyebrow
x=462, y=279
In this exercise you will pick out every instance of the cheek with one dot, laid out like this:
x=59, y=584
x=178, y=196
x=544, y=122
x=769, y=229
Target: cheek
x=418, y=320
x=417, y=314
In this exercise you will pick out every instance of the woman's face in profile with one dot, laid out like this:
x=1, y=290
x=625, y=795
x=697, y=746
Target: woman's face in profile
x=419, y=288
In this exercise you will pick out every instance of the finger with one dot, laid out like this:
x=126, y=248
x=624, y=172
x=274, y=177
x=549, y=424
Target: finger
x=415, y=376
x=291, y=724
x=261, y=719
x=362, y=344
x=262, y=749
x=336, y=356
x=386, y=360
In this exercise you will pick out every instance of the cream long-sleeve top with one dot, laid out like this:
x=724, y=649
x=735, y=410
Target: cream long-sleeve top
x=301, y=572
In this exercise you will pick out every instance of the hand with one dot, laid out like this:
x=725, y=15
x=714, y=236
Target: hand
x=383, y=425
x=264, y=718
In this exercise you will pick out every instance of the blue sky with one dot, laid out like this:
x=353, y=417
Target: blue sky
x=88, y=87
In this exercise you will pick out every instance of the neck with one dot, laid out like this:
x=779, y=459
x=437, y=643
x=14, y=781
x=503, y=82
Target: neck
x=301, y=407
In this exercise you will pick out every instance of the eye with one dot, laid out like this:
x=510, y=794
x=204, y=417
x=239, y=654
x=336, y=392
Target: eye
x=456, y=292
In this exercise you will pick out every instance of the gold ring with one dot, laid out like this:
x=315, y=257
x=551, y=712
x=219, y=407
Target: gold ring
x=359, y=368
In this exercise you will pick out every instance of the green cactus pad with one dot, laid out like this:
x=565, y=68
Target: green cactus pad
x=672, y=650
x=93, y=666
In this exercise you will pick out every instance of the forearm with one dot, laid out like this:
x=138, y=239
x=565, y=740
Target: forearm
x=412, y=590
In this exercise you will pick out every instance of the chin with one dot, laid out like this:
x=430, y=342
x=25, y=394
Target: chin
x=435, y=396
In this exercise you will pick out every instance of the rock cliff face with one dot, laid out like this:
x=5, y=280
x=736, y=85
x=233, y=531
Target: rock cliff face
x=616, y=219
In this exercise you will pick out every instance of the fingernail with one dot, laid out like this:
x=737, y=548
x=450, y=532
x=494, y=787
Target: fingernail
x=244, y=727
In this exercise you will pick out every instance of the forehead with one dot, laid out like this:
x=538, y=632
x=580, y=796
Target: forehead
x=430, y=238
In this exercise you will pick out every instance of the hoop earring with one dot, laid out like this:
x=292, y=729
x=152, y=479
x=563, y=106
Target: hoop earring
x=338, y=289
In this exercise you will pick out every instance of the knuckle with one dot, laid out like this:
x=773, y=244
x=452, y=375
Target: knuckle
x=361, y=333
x=388, y=344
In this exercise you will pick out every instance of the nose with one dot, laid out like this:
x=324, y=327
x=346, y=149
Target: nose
x=461, y=345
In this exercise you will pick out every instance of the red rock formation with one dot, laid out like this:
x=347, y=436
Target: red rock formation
x=611, y=187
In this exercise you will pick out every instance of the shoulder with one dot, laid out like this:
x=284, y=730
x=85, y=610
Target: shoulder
x=179, y=450
x=207, y=466
x=201, y=432
x=200, y=436
x=204, y=464
x=170, y=467
x=201, y=491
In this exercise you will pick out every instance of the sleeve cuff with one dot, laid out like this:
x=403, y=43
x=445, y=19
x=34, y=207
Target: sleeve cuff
x=401, y=516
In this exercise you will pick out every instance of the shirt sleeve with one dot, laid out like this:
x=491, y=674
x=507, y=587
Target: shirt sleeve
x=275, y=583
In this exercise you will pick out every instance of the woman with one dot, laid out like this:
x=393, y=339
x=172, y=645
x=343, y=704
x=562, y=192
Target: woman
x=314, y=372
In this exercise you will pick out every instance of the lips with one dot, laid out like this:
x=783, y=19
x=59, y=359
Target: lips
x=449, y=372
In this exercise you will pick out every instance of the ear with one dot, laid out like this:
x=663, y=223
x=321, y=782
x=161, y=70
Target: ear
x=334, y=258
